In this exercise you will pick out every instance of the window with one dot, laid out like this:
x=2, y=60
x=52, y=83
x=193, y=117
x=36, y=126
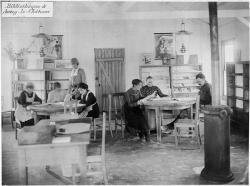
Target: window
x=227, y=57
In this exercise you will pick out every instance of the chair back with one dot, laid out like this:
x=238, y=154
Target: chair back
x=116, y=102
x=13, y=118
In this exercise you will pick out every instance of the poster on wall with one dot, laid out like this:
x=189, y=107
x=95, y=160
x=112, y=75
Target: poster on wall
x=164, y=46
x=52, y=47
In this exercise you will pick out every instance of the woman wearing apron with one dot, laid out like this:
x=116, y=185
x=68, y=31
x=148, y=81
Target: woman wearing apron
x=77, y=76
x=87, y=97
x=27, y=97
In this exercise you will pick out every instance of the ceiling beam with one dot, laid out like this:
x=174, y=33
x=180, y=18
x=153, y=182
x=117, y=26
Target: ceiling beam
x=153, y=15
x=243, y=20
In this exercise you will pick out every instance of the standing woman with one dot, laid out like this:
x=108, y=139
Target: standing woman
x=91, y=108
x=27, y=97
x=133, y=113
x=77, y=76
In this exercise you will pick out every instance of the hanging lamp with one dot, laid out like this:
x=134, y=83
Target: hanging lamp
x=183, y=34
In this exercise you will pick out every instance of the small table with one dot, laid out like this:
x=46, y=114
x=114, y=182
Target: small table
x=160, y=104
x=49, y=108
x=54, y=154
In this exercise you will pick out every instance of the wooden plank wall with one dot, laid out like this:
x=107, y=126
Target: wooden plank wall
x=112, y=61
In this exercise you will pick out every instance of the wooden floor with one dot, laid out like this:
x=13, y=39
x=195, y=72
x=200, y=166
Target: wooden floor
x=130, y=162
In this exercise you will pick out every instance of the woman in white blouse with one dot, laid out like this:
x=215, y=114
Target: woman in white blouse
x=77, y=75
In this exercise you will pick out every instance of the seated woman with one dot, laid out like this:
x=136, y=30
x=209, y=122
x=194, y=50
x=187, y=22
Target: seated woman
x=27, y=97
x=150, y=88
x=133, y=113
x=56, y=95
x=91, y=108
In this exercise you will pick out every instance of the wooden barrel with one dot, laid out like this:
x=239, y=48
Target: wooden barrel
x=217, y=144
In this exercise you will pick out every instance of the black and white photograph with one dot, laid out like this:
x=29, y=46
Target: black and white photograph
x=125, y=92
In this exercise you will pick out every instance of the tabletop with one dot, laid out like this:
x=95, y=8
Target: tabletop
x=50, y=107
x=75, y=139
x=170, y=102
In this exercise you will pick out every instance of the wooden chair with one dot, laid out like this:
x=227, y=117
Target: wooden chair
x=116, y=102
x=188, y=127
x=99, y=159
x=15, y=122
x=105, y=108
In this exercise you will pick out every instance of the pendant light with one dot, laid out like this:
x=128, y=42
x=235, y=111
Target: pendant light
x=183, y=35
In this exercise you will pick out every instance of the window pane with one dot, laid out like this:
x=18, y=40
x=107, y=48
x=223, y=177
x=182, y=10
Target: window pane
x=229, y=53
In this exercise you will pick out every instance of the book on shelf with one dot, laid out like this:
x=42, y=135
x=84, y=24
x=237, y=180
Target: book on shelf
x=63, y=64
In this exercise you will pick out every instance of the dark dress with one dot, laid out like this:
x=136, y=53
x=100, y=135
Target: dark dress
x=205, y=94
x=89, y=99
x=146, y=91
x=133, y=113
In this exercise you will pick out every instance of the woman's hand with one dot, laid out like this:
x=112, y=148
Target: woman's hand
x=153, y=95
x=139, y=102
x=36, y=103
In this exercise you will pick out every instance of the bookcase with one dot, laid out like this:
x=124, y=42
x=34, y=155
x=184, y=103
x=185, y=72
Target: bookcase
x=43, y=80
x=238, y=92
x=180, y=79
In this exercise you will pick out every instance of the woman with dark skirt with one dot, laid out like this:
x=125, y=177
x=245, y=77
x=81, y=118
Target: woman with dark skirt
x=133, y=112
x=26, y=98
x=91, y=108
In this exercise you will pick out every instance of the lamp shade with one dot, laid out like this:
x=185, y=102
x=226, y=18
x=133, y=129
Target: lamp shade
x=182, y=31
x=41, y=35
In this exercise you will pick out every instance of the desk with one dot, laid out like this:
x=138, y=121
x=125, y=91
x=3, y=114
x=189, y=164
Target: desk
x=53, y=154
x=49, y=108
x=160, y=104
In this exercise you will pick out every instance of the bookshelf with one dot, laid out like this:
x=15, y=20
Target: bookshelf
x=43, y=80
x=238, y=92
x=180, y=79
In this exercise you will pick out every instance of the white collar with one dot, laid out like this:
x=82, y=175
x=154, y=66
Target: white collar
x=74, y=72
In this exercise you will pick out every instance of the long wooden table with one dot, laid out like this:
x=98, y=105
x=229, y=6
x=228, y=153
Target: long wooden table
x=160, y=104
x=73, y=152
x=49, y=108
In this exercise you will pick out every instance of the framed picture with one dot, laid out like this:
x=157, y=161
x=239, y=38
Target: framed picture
x=52, y=47
x=164, y=46
x=146, y=58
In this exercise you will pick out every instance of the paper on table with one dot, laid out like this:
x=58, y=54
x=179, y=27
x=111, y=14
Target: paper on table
x=63, y=139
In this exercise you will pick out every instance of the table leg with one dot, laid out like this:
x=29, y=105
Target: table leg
x=158, y=124
x=22, y=171
x=35, y=117
x=191, y=110
x=74, y=174
x=83, y=161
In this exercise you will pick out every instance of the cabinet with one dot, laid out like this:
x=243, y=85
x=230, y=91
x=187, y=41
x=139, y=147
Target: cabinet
x=237, y=80
x=178, y=80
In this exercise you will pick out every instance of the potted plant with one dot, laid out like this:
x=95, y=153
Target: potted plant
x=17, y=56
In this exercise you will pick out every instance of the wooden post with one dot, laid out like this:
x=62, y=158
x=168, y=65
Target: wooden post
x=217, y=144
x=213, y=20
x=171, y=81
